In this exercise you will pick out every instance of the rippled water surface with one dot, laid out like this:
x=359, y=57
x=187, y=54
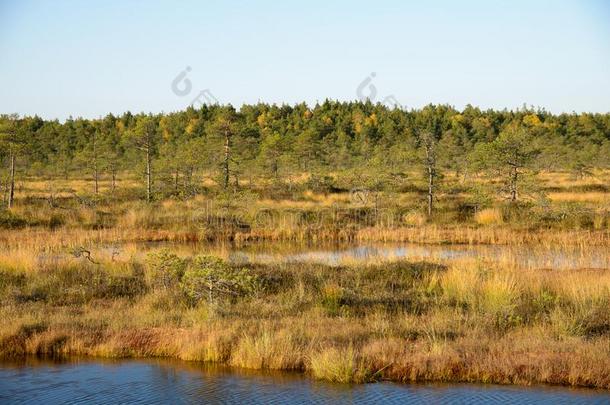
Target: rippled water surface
x=162, y=381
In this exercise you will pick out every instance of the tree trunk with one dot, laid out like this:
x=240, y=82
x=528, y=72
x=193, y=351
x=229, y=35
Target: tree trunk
x=95, y=172
x=275, y=169
x=430, y=189
x=431, y=166
x=148, y=176
x=11, y=191
x=225, y=163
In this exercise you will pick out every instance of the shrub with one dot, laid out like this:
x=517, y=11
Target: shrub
x=210, y=278
x=166, y=268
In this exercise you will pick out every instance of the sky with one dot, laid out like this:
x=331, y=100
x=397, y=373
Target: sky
x=89, y=58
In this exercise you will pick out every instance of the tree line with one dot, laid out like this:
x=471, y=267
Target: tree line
x=376, y=143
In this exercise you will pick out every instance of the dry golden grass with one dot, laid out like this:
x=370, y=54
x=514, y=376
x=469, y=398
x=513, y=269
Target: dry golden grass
x=587, y=197
x=397, y=321
x=61, y=188
x=307, y=216
x=489, y=216
x=338, y=365
x=269, y=349
x=477, y=235
x=414, y=218
x=442, y=320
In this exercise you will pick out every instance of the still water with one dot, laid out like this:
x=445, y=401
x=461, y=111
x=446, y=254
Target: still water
x=520, y=256
x=165, y=381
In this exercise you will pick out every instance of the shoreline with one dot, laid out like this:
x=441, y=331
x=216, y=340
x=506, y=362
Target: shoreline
x=488, y=377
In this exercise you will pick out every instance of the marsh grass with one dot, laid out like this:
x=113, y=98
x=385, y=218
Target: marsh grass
x=339, y=365
x=269, y=349
x=419, y=320
x=404, y=321
x=60, y=211
x=489, y=216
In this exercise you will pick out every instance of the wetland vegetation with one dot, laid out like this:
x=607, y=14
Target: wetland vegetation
x=109, y=235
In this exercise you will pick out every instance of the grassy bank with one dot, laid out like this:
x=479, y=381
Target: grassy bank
x=404, y=321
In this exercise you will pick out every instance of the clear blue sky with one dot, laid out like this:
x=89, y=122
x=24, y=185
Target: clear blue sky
x=89, y=58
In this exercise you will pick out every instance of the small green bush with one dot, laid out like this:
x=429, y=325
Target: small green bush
x=166, y=269
x=210, y=278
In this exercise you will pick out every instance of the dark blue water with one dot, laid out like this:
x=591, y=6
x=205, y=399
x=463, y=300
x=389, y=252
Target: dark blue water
x=162, y=381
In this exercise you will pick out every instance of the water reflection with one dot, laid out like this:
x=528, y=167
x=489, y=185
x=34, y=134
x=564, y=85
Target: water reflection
x=166, y=381
x=519, y=256
x=525, y=256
